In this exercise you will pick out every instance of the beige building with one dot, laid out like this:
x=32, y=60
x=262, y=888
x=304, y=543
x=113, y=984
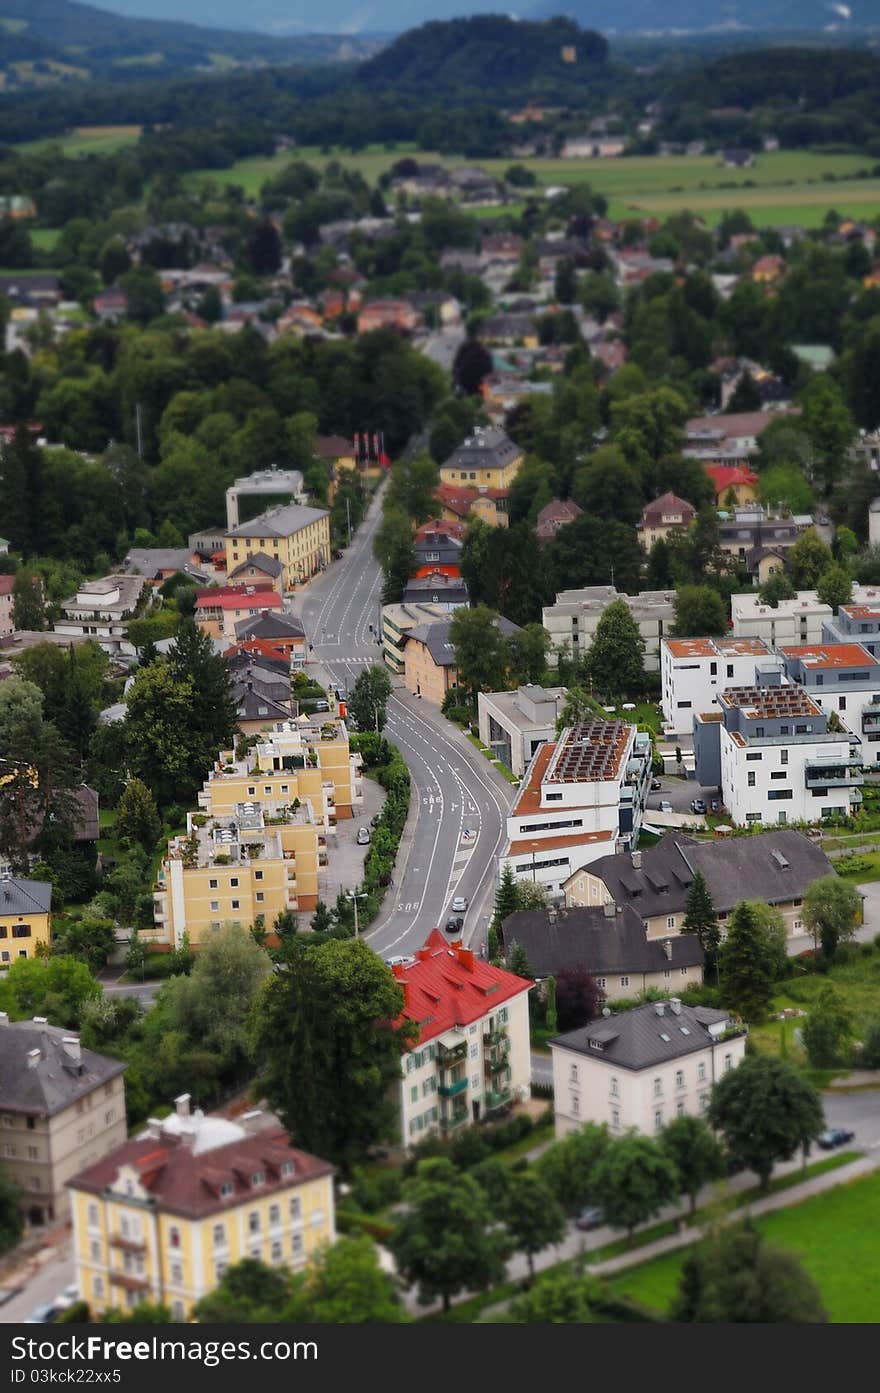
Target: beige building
x=61, y=1108
x=163, y=1216
x=297, y=536
x=665, y=515
x=472, y=1057
x=397, y=620
x=643, y=1067
x=429, y=668
x=486, y=460
x=306, y=759
x=573, y=619
x=241, y=868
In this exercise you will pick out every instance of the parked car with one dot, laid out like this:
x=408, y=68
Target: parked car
x=698, y=805
x=834, y=1136
x=322, y=705
x=338, y=554
x=590, y=1218
x=454, y=926
x=399, y=960
x=67, y=1297
x=459, y=905
x=656, y=785
x=715, y=806
x=665, y=807
x=42, y=1315
x=363, y=836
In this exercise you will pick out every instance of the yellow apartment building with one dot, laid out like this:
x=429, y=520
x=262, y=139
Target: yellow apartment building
x=487, y=459
x=304, y=758
x=25, y=918
x=296, y=536
x=162, y=1216
x=236, y=870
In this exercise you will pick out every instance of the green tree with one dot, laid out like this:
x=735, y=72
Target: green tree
x=700, y=919
x=480, y=649
x=746, y=964
x=828, y=1030
x=578, y=707
x=700, y=612
x=213, y=1006
x=634, y=1179
x=616, y=657
x=828, y=425
x=695, y=1152
x=570, y=1166
x=832, y=909
x=533, y=1216
x=766, y=1111
x=527, y=654
x=368, y=699
x=28, y=609
x=343, y=1285
x=38, y=804
x=784, y=485
x=90, y=940
x=322, y=919
x=558, y=1298
x=506, y=896
x=411, y=487
x=213, y=721
x=444, y=1242
x=137, y=818
x=325, y=1036
x=11, y=1217
x=776, y=587
x=394, y=550
x=248, y=1292
x=808, y=560
x=57, y=988
x=159, y=707
x=834, y=587
x=143, y=1313
x=736, y=1277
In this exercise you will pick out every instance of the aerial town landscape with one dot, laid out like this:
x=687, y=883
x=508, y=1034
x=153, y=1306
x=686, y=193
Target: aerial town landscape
x=439, y=671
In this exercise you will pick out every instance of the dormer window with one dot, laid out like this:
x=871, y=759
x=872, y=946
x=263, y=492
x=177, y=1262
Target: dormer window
x=258, y=1178
x=226, y=1189
x=287, y=1168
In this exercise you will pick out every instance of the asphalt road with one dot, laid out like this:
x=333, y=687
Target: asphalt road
x=462, y=801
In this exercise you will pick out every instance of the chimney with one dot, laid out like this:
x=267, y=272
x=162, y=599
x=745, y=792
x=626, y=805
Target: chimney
x=466, y=958
x=667, y=948
x=609, y=909
x=181, y=1105
x=154, y=1128
x=252, y=1121
x=71, y=1044
x=675, y=1006
x=4, y=1017
x=637, y=860
x=33, y=1058
x=660, y=1007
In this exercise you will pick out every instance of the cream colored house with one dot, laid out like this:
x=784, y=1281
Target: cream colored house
x=297, y=536
x=472, y=1056
x=161, y=1218
x=643, y=1067
x=61, y=1108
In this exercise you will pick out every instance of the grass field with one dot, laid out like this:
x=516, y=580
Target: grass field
x=858, y=982
x=44, y=238
x=830, y=1235
x=88, y=140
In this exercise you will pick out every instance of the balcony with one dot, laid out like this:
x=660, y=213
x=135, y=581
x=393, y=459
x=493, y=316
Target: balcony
x=494, y=1037
x=456, y=1117
x=871, y=718
x=129, y=1281
x=451, y=1054
x=497, y=1098
x=844, y=772
x=127, y=1245
x=453, y=1087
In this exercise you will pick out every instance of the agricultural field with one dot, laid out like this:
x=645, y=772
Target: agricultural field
x=829, y=1235
x=89, y=140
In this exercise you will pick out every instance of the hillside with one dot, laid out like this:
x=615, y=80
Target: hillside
x=43, y=42
x=676, y=16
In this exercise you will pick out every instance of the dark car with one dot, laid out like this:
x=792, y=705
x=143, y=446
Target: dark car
x=338, y=554
x=834, y=1136
x=656, y=785
x=590, y=1218
x=454, y=926
x=698, y=806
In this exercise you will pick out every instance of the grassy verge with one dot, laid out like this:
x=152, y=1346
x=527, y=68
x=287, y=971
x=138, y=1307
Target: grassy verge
x=502, y=768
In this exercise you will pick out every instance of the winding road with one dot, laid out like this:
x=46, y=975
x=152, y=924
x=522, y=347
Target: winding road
x=462, y=801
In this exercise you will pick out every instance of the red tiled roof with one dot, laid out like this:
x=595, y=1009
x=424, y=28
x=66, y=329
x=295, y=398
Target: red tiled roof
x=258, y=596
x=448, y=985
x=668, y=503
x=462, y=500
x=529, y=844
x=529, y=799
x=725, y=476
x=182, y=1181
x=263, y=646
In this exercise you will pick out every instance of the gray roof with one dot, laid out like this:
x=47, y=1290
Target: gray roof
x=58, y=1079
x=435, y=637
x=253, y=705
x=280, y=521
x=486, y=449
x=25, y=897
x=588, y=937
x=270, y=564
x=643, y=1037
x=148, y=561
x=772, y=866
x=269, y=626
x=419, y=588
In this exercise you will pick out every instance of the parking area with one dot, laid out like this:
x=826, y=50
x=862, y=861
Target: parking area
x=680, y=793
x=346, y=858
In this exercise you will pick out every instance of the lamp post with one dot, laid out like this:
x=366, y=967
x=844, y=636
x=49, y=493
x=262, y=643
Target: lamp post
x=354, y=897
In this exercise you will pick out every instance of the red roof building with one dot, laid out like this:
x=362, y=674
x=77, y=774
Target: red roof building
x=736, y=477
x=220, y=608
x=554, y=515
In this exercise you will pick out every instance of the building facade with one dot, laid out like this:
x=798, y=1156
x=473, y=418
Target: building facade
x=307, y=760
x=486, y=459
x=162, y=1217
x=25, y=917
x=844, y=679
x=666, y=514
x=800, y=620
x=694, y=670
x=574, y=617
x=297, y=536
x=100, y=610
x=515, y=724
x=219, y=610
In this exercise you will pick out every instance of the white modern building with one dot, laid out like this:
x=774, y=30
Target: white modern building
x=278, y=485
x=514, y=725
x=472, y=1056
x=844, y=679
x=643, y=1067
x=694, y=670
x=772, y=755
x=572, y=620
x=582, y=796
x=791, y=621
x=100, y=610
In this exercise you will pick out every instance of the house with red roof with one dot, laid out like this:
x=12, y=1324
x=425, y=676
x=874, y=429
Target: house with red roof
x=733, y=480
x=471, y=1057
x=219, y=609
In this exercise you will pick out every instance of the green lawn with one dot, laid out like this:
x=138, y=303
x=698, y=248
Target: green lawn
x=88, y=140
x=858, y=982
x=866, y=866
x=44, y=238
x=831, y=1234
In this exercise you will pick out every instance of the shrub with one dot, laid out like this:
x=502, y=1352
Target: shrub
x=372, y=1192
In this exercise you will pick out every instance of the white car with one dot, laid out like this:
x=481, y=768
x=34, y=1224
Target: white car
x=363, y=836
x=459, y=905
x=398, y=961
x=665, y=807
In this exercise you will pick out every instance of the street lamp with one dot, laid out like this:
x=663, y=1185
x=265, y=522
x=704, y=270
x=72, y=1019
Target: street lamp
x=351, y=895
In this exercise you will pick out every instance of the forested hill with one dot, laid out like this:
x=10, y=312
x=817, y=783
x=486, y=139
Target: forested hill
x=695, y=16
x=487, y=53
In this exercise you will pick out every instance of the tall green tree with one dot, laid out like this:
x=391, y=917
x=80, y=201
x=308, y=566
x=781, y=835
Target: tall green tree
x=832, y=909
x=558, y=1298
x=834, y=587
x=368, y=699
x=343, y=1285
x=700, y=612
x=828, y=425
x=137, y=818
x=248, y=1292
x=480, y=650
x=634, y=1179
x=695, y=1152
x=616, y=658
x=700, y=919
x=736, y=1277
x=746, y=965
x=828, y=1030
x=533, y=1216
x=445, y=1242
x=213, y=722
x=411, y=487
x=38, y=807
x=808, y=560
x=766, y=1111
x=506, y=896
x=28, y=609
x=776, y=587
x=570, y=1166
x=159, y=707
x=325, y=1036
x=394, y=550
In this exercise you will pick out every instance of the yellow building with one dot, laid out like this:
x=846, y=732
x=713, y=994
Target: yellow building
x=236, y=869
x=429, y=661
x=162, y=1217
x=297, y=536
x=25, y=918
x=487, y=459
x=304, y=758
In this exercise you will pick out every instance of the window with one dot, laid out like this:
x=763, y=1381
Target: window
x=276, y=1250
x=601, y=982
x=219, y=1269
x=219, y=1235
x=704, y=1102
x=98, y=1286
x=783, y=756
x=296, y=1208
x=8, y=1149
x=670, y=921
x=841, y=703
x=274, y=1215
x=779, y=774
x=177, y=1310
x=666, y=976
x=215, y=906
x=684, y=705
x=414, y=1093
x=287, y=1168
x=615, y=1119
x=177, y=1273
x=575, y=1104
x=753, y=756
x=624, y=981
x=801, y=730
x=236, y=904
x=174, y=1237
x=258, y=1178
x=226, y=1189
x=260, y=897
x=683, y=972
x=574, y=1073
x=759, y=732
x=296, y=1244
x=615, y=1088
x=728, y=1063
x=475, y=1080
x=93, y=1215
x=658, y=1086
x=680, y=1109
x=254, y=1221
x=258, y=875
x=233, y=882
x=212, y=885
x=679, y=1078
x=658, y=1119
x=775, y=794
x=473, y=1051
x=730, y=669
x=701, y=1072
x=751, y=778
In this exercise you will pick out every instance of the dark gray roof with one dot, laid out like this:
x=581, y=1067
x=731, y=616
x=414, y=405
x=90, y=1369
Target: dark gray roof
x=588, y=937
x=241, y=660
x=643, y=1037
x=435, y=637
x=772, y=866
x=280, y=521
x=487, y=448
x=270, y=564
x=57, y=1079
x=25, y=897
x=149, y=561
x=269, y=626
x=422, y=588
x=253, y=705
x=87, y=825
